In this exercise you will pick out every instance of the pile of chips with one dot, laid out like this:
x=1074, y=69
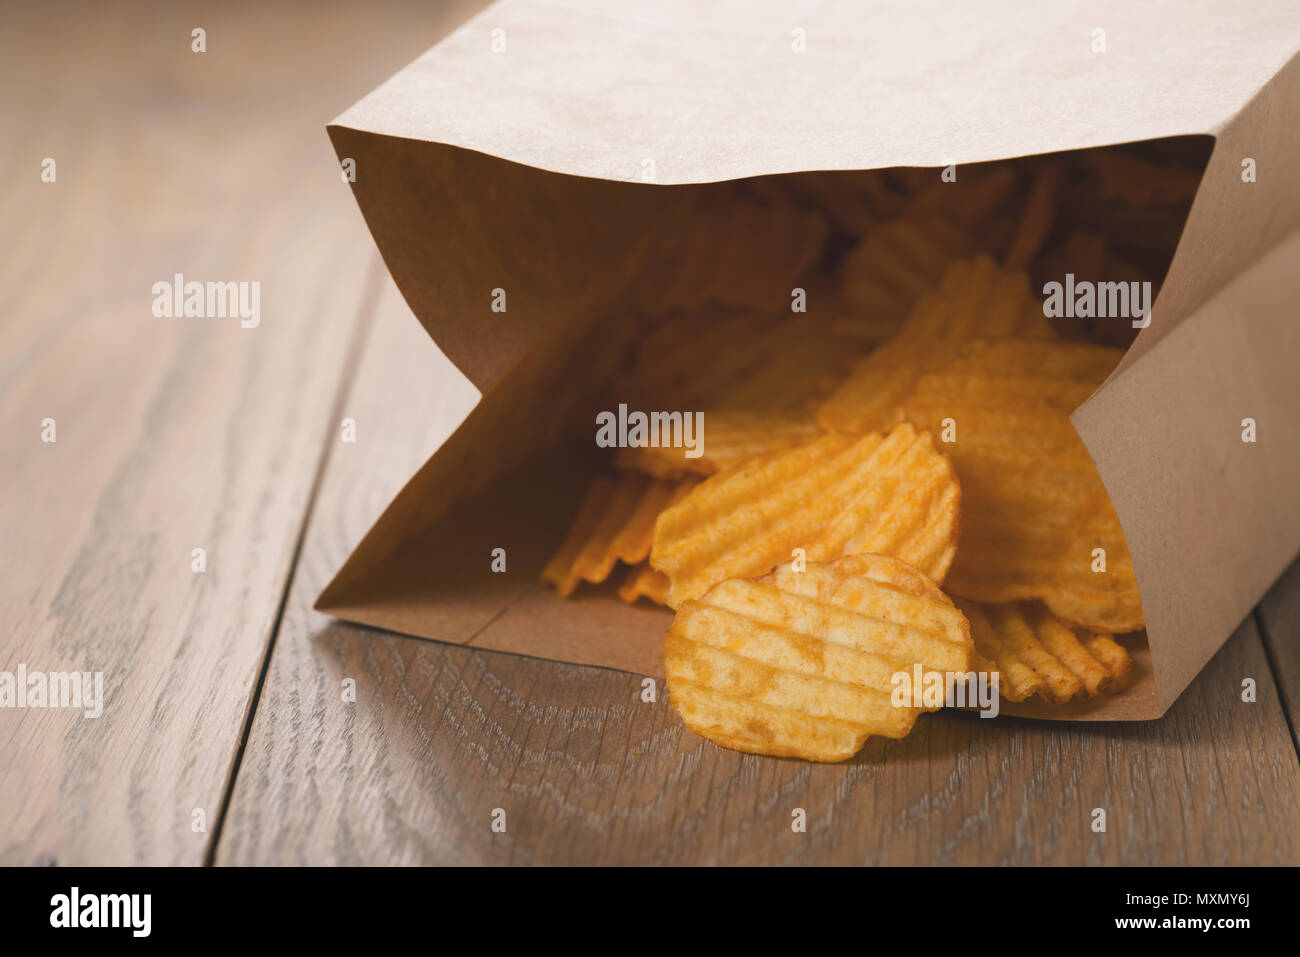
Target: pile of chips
x=889, y=481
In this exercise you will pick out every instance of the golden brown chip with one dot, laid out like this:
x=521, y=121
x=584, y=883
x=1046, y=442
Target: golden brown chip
x=899, y=262
x=976, y=298
x=802, y=663
x=729, y=436
x=717, y=359
x=797, y=361
x=615, y=523
x=1036, y=519
x=644, y=582
x=1035, y=652
x=837, y=495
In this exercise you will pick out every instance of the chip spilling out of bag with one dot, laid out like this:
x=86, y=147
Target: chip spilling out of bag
x=642, y=581
x=1034, y=652
x=614, y=523
x=976, y=298
x=802, y=663
x=1036, y=520
x=838, y=495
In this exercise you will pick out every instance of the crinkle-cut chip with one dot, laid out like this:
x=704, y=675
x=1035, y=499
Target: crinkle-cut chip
x=756, y=363
x=838, y=495
x=1034, y=510
x=976, y=298
x=730, y=436
x=802, y=663
x=615, y=523
x=1034, y=652
x=795, y=365
x=644, y=582
x=898, y=262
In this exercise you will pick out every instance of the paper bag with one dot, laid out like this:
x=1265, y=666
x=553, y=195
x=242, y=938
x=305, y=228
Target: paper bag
x=552, y=151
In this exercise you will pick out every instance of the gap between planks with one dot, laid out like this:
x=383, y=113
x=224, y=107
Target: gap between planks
x=366, y=311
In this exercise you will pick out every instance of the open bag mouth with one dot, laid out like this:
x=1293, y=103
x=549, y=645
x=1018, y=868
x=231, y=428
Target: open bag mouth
x=770, y=314
x=1108, y=321
x=806, y=316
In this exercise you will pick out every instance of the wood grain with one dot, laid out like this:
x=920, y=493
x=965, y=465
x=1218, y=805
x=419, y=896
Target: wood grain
x=1278, y=617
x=440, y=736
x=176, y=434
x=172, y=434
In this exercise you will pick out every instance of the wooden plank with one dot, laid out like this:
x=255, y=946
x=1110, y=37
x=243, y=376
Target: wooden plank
x=172, y=434
x=408, y=399
x=1278, y=615
x=440, y=736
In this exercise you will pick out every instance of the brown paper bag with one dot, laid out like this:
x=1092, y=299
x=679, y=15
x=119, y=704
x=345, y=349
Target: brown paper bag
x=514, y=155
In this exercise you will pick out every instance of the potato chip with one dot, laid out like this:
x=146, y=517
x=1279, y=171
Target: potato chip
x=615, y=523
x=1036, y=519
x=838, y=495
x=729, y=436
x=644, y=582
x=802, y=663
x=976, y=298
x=799, y=361
x=1034, y=652
x=718, y=359
x=899, y=262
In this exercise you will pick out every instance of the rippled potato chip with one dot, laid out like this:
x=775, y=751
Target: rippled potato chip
x=801, y=663
x=976, y=298
x=615, y=523
x=717, y=359
x=1035, y=652
x=729, y=436
x=642, y=581
x=899, y=262
x=838, y=495
x=1034, y=509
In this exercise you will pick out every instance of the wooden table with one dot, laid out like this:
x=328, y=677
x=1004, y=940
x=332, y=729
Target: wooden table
x=225, y=737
